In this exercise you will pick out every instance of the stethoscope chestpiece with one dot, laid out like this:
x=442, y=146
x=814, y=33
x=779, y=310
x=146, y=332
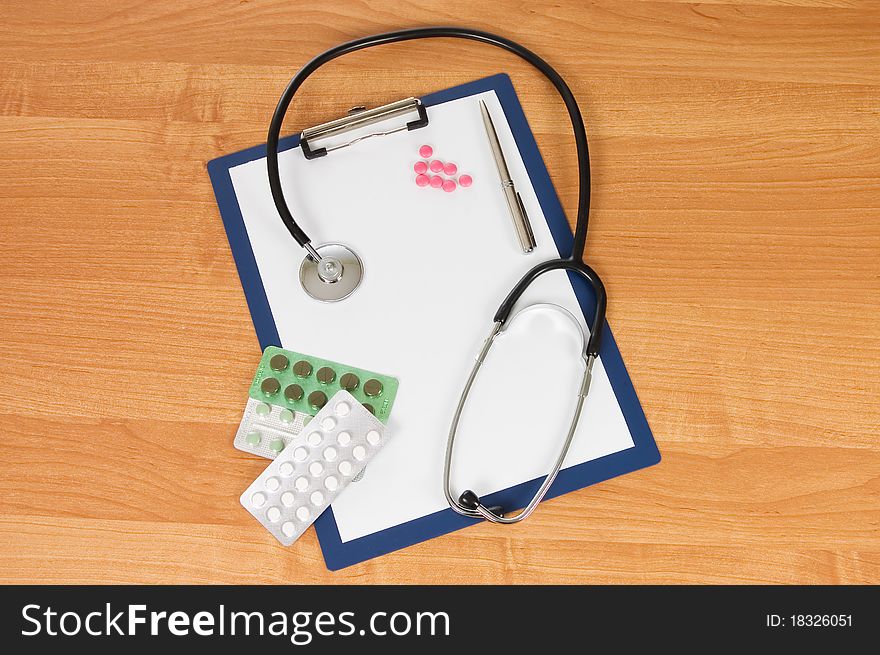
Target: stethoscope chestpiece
x=330, y=272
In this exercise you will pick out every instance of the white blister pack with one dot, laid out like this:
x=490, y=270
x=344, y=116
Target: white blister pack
x=315, y=467
x=266, y=429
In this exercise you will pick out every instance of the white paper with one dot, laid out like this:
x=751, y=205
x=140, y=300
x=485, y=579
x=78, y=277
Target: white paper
x=436, y=267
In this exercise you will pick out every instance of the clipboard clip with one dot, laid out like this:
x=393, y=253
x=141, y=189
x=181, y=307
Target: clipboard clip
x=361, y=117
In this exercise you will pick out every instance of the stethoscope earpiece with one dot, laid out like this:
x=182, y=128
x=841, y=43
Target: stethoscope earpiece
x=468, y=503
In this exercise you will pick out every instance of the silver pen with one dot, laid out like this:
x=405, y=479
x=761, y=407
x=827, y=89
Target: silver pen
x=514, y=201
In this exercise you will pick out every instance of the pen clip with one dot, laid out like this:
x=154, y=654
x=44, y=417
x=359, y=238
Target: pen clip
x=528, y=222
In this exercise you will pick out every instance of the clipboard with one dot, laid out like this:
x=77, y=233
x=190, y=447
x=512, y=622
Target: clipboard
x=344, y=550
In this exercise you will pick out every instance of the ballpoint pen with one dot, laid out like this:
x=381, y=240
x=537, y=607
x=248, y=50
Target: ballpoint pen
x=514, y=201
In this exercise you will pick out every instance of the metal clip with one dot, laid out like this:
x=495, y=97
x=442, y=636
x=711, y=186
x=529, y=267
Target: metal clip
x=361, y=117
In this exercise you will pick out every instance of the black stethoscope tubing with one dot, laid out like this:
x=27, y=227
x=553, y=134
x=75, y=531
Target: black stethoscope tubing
x=574, y=263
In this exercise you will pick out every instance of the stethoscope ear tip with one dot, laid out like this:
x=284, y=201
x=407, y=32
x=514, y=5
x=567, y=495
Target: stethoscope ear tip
x=469, y=500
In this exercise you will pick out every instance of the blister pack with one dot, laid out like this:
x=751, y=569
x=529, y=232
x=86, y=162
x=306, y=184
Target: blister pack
x=266, y=429
x=317, y=466
x=290, y=387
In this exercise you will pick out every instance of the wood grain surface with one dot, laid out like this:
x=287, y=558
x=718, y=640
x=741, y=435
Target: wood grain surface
x=736, y=223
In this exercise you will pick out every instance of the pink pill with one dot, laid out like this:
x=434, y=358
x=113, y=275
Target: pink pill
x=436, y=181
x=450, y=169
x=465, y=180
x=426, y=151
x=449, y=186
x=422, y=179
x=436, y=166
x=420, y=167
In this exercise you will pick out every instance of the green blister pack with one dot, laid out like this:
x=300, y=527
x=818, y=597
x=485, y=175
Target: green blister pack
x=304, y=383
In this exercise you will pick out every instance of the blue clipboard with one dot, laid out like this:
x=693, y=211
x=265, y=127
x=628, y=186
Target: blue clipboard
x=339, y=554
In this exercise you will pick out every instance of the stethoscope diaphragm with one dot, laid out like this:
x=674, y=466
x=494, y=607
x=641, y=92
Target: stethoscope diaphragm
x=335, y=276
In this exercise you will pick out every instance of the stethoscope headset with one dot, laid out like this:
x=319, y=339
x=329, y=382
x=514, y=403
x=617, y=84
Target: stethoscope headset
x=330, y=268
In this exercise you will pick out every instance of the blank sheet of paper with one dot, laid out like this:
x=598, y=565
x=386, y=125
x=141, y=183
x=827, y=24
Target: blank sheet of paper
x=437, y=265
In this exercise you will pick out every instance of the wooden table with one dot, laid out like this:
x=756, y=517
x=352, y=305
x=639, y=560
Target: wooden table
x=736, y=222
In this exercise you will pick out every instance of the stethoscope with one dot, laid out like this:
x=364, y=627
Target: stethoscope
x=332, y=272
